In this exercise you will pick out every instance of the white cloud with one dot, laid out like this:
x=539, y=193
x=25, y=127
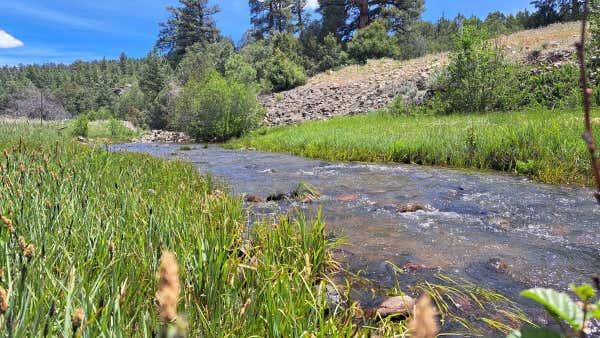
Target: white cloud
x=9, y=41
x=312, y=4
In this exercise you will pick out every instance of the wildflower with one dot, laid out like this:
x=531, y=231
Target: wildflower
x=77, y=318
x=3, y=301
x=9, y=224
x=423, y=323
x=168, y=287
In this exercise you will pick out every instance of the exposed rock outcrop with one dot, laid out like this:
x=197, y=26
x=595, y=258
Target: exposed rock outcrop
x=353, y=90
x=163, y=136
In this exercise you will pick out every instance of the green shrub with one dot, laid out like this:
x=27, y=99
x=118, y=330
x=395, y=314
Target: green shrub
x=117, y=129
x=100, y=114
x=373, y=42
x=237, y=69
x=477, y=78
x=331, y=54
x=551, y=87
x=80, y=126
x=218, y=109
x=283, y=73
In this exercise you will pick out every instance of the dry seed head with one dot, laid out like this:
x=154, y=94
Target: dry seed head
x=29, y=251
x=3, y=301
x=22, y=243
x=423, y=323
x=77, y=318
x=22, y=167
x=245, y=307
x=9, y=224
x=2, y=273
x=5, y=152
x=111, y=248
x=168, y=287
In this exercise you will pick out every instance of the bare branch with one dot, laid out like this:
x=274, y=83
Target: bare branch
x=588, y=136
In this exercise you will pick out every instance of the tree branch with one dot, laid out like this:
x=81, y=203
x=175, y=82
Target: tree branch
x=588, y=135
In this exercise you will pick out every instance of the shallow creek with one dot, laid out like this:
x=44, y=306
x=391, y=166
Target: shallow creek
x=501, y=232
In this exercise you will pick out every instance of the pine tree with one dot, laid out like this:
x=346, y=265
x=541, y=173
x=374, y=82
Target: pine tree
x=189, y=24
x=347, y=16
x=123, y=63
x=333, y=13
x=298, y=13
x=153, y=77
x=270, y=16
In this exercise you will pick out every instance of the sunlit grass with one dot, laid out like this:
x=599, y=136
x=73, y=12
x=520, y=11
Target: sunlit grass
x=83, y=230
x=545, y=145
x=99, y=222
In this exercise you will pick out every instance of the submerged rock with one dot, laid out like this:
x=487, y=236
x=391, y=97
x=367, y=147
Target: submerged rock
x=253, y=199
x=496, y=264
x=396, y=306
x=276, y=197
x=411, y=207
x=347, y=198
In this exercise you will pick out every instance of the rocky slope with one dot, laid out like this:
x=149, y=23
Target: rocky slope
x=360, y=89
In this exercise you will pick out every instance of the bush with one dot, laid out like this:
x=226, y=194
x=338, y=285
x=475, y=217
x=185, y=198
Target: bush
x=373, y=42
x=100, y=114
x=237, y=69
x=217, y=108
x=477, y=78
x=80, y=126
x=117, y=129
x=331, y=54
x=283, y=73
x=552, y=87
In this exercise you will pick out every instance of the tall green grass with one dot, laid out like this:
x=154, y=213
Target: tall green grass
x=99, y=221
x=545, y=145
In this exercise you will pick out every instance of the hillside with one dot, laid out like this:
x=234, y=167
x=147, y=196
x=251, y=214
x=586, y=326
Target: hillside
x=359, y=89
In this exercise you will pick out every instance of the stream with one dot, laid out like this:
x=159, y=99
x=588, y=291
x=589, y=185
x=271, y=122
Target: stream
x=499, y=231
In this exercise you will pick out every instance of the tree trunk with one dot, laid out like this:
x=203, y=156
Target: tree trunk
x=363, y=6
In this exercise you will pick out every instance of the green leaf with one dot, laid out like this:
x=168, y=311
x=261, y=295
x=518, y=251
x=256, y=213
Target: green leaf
x=595, y=313
x=585, y=292
x=558, y=304
x=532, y=332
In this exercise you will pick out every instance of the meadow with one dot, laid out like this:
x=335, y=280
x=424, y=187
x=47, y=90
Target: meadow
x=545, y=145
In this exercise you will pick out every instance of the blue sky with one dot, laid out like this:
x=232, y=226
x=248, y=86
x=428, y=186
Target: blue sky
x=40, y=31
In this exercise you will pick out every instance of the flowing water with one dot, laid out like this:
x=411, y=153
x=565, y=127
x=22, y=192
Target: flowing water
x=501, y=232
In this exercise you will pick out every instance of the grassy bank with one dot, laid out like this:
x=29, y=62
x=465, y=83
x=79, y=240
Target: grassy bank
x=545, y=145
x=84, y=229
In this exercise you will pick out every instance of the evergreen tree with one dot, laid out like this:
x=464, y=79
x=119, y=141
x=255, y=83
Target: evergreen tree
x=123, y=63
x=333, y=14
x=299, y=14
x=269, y=16
x=190, y=24
x=153, y=76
